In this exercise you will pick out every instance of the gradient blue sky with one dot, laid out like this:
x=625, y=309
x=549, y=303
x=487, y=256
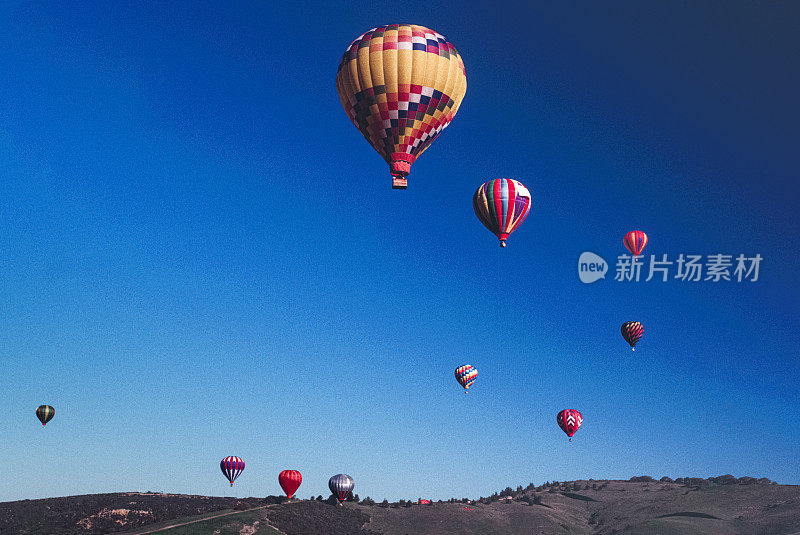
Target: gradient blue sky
x=202, y=257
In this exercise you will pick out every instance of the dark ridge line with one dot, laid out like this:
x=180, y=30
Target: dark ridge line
x=691, y=514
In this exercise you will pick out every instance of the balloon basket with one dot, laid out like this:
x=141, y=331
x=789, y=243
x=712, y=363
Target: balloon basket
x=399, y=182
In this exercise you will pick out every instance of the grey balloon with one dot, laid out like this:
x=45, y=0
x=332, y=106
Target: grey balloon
x=341, y=486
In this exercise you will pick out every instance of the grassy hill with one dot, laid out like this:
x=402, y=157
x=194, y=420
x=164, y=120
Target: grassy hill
x=609, y=507
x=641, y=506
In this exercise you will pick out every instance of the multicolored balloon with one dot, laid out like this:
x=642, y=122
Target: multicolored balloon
x=632, y=332
x=569, y=420
x=502, y=205
x=341, y=486
x=232, y=468
x=635, y=241
x=45, y=413
x=401, y=85
x=289, y=481
x=466, y=375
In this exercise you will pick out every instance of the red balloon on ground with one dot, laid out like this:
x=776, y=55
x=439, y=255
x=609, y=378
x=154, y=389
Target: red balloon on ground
x=290, y=480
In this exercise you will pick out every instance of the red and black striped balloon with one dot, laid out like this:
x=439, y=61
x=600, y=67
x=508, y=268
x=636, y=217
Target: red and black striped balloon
x=632, y=332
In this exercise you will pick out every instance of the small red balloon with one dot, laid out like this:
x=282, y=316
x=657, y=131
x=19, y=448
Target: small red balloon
x=569, y=420
x=632, y=332
x=635, y=241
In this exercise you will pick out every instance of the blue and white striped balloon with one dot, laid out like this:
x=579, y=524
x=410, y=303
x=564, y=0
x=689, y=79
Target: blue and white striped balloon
x=231, y=467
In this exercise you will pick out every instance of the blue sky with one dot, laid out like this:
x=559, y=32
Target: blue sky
x=202, y=257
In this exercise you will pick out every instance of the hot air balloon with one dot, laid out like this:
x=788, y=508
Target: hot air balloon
x=632, y=332
x=231, y=467
x=502, y=205
x=45, y=413
x=289, y=481
x=401, y=85
x=635, y=241
x=569, y=420
x=341, y=486
x=466, y=375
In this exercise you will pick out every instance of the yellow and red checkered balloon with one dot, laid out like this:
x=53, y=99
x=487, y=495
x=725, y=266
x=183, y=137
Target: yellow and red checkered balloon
x=401, y=85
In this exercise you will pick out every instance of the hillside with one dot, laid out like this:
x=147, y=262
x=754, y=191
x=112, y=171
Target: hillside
x=609, y=507
x=640, y=506
x=110, y=513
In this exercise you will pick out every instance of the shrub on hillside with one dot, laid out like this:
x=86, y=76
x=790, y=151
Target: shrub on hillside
x=532, y=499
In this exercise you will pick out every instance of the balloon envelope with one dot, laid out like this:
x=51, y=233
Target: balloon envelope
x=45, y=413
x=341, y=486
x=289, y=481
x=569, y=420
x=466, y=375
x=232, y=468
x=635, y=241
x=502, y=205
x=632, y=332
x=401, y=85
